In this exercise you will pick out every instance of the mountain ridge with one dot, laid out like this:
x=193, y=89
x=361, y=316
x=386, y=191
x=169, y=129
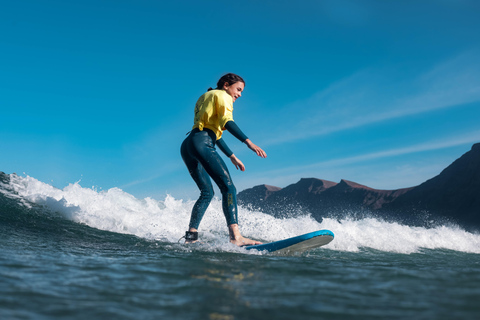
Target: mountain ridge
x=453, y=195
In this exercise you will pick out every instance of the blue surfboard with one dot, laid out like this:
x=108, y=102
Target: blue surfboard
x=296, y=244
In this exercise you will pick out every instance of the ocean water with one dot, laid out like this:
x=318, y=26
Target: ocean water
x=78, y=253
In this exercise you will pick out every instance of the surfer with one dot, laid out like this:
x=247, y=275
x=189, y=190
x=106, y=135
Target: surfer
x=213, y=115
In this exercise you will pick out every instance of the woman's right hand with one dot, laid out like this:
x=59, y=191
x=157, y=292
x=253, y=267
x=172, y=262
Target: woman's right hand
x=256, y=149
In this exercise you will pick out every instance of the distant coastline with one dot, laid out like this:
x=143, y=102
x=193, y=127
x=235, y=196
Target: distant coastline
x=453, y=196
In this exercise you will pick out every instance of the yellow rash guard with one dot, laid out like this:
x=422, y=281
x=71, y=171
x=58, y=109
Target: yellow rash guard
x=212, y=111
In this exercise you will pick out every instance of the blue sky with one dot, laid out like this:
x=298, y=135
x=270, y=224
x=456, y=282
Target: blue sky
x=383, y=93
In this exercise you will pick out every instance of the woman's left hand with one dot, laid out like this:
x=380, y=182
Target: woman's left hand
x=237, y=163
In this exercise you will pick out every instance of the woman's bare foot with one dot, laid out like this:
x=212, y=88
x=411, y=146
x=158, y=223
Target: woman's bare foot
x=244, y=242
x=237, y=239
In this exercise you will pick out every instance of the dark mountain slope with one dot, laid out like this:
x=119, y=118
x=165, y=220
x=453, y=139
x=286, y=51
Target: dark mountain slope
x=453, y=195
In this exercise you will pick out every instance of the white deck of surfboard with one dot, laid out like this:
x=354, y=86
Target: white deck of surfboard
x=306, y=245
x=296, y=244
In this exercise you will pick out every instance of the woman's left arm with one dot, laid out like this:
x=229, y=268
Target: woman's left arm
x=237, y=163
x=226, y=150
x=223, y=146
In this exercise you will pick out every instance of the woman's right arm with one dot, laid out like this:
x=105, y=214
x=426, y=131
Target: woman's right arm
x=237, y=133
x=255, y=148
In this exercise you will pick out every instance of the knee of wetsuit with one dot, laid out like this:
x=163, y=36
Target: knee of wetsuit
x=229, y=189
x=207, y=193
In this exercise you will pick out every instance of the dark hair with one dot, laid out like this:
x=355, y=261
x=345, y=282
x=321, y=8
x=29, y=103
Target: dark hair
x=229, y=78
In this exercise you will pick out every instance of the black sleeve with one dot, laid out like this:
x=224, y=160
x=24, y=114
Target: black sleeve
x=223, y=146
x=235, y=131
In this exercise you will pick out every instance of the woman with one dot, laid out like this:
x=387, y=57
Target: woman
x=213, y=115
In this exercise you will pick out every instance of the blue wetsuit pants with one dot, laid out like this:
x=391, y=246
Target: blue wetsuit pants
x=203, y=161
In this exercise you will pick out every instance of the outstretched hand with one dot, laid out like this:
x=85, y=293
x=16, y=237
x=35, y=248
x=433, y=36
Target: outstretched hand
x=256, y=149
x=239, y=164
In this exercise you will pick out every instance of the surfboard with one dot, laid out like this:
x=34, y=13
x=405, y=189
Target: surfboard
x=296, y=244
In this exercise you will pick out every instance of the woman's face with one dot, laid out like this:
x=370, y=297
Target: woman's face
x=235, y=90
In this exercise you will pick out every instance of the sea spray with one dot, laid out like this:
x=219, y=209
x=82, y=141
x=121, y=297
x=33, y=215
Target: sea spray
x=353, y=235
x=117, y=211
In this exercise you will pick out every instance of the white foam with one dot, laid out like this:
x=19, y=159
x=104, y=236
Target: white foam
x=117, y=211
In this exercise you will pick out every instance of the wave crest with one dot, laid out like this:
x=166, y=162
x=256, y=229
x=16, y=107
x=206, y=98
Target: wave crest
x=117, y=211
